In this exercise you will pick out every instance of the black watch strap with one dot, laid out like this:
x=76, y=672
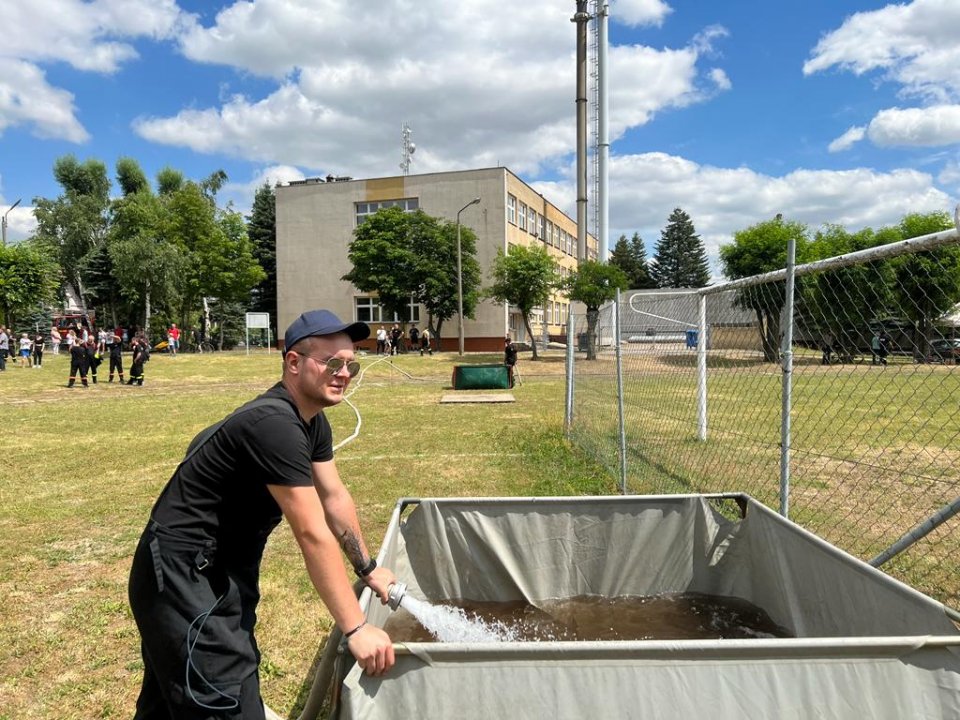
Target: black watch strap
x=364, y=571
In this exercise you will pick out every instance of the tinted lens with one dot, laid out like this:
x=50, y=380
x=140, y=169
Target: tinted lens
x=335, y=365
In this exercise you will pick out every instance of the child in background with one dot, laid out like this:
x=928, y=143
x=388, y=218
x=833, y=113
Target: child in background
x=26, y=349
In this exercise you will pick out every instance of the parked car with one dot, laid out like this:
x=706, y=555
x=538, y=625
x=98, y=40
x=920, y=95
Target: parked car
x=945, y=351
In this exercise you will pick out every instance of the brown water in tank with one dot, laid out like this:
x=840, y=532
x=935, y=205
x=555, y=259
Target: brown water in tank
x=675, y=616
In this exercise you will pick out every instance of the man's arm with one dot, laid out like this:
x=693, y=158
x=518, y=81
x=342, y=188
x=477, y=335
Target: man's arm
x=301, y=506
x=341, y=516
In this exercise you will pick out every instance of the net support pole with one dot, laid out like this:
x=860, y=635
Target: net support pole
x=787, y=380
x=702, y=369
x=917, y=533
x=568, y=406
x=617, y=338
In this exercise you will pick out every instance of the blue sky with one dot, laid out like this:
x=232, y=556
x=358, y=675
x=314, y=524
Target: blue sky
x=824, y=111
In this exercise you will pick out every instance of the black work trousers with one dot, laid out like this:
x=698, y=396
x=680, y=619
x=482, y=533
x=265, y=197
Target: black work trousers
x=196, y=621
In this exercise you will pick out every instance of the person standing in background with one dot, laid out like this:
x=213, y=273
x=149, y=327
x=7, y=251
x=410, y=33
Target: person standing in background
x=55, y=340
x=173, y=339
x=38, y=344
x=26, y=350
x=509, y=358
x=140, y=356
x=94, y=358
x=4, y=347
x=381, y=341
x=115, y=346
x=79, y=363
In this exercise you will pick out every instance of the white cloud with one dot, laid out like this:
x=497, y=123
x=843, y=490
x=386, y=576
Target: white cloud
x=477, y=91
x=242, y=194
x=850, y=138
x=89, y=36
x=21, y=223
x=26, y=98
x=720, y=79
x=950, y=175
x=914, y=44
x=645, y=188
x=639, y=12
x=918, y=127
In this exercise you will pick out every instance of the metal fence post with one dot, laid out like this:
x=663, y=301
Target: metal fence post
x=568, y=407
x=702, y=368
x=618, y=335
x=787, y=380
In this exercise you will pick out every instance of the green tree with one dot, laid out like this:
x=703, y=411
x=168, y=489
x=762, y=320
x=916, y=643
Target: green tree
x=413, y=256
x=169, y=181
x=436, y=254
x=383, y=261
x=524, y=279
x=262, y=230
x=75, y=223
x=594, y=284
x=680, y=259
x=926, y=284
x=130, y=176
x=28, y=279
x=758, y=249
x=234, y=271
x=844, y=302
x=631, y=257
x=145, y=261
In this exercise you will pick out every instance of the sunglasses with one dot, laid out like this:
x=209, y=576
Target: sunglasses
x=335, y=365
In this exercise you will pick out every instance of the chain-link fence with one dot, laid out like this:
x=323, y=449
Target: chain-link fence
x=851, y=428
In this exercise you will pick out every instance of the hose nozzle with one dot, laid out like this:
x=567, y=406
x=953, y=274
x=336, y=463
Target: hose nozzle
x=395, y=594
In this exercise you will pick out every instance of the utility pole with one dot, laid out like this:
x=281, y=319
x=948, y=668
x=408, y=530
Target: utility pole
x=4, y=223
x=460, y=275
x=581, y=19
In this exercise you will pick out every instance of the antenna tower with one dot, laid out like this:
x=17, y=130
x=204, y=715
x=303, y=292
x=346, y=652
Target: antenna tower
x=408, y=148
x=593, y=55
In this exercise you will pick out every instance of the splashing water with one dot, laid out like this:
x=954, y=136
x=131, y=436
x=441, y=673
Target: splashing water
x=448, y=624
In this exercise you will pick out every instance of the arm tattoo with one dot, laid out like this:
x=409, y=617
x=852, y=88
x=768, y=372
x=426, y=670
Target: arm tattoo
x=352, y=548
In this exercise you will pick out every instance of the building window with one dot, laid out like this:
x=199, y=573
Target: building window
x=533, y=222
x=541, y=233
x=511, y=209
x=523, y=216
x=412, y=314
x=368, y=310
x=366, y=209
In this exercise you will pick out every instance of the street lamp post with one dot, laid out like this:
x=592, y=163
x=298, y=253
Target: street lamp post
x=4, y=223
x=460, y=274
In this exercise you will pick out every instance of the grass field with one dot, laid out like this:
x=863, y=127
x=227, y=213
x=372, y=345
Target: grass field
x=874, y=450
x=82, y=468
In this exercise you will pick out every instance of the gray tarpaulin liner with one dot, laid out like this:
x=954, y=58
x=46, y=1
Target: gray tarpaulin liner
x=864, y=645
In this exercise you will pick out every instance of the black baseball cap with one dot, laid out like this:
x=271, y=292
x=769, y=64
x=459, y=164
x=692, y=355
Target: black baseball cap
x=322, y=322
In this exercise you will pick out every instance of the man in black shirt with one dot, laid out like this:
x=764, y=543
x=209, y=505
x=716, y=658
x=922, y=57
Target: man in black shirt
x=116, y=356
x=194, y=582
x=509, y=358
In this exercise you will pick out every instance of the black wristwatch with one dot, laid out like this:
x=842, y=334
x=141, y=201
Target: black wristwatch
x=364, y=571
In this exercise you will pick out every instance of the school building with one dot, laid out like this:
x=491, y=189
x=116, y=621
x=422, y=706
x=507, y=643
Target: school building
x=316, y=218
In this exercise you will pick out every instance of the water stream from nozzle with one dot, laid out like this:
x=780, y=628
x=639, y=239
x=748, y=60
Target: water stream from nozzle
x=448, y=624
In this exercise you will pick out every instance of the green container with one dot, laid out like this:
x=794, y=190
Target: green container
x=480, y=377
